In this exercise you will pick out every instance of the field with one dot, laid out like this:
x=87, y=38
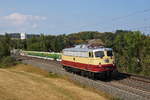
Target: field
x=26, y=82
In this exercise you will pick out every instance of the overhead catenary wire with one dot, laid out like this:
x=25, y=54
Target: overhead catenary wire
x=120, y=18
x=131, y=14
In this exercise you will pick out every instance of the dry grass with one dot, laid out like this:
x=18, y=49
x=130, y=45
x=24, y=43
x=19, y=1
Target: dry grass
x=26, y=82
x=30, y=69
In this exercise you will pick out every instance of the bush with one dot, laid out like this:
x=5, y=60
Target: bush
x=7, y=61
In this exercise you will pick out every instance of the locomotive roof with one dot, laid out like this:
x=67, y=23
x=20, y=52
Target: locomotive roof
x=85, y=48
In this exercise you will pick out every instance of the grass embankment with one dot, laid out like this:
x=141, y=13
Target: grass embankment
x=26, y=82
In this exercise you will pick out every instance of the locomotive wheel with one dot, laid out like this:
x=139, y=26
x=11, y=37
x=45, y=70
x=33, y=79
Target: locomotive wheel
x=71, y=70
x=64, y=67
x=67, y=69
x=108, y=75
x=91, y=75
x=114, y=74
x=83, y=73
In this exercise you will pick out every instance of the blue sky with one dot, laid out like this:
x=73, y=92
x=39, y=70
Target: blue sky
x=68, y=16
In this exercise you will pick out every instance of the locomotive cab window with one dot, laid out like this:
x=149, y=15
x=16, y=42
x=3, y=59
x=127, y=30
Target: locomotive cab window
x=99, y=54
x=109, y=53
x=91, y=54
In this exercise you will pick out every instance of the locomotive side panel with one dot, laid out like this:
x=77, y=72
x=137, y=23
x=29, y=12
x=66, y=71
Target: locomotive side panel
x=86, y=63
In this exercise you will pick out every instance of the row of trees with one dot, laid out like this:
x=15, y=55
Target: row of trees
x=132, y=49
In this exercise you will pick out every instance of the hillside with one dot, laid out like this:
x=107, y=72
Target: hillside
x=25, y=82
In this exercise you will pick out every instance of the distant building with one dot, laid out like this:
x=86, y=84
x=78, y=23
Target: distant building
x=28, y=36
x=23, y=36
x=14, y=35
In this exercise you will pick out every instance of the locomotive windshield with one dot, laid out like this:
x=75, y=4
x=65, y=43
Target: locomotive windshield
x=109, y=53
x=99, y=54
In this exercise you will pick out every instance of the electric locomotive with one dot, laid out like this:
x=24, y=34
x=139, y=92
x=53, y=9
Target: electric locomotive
x=90, y=61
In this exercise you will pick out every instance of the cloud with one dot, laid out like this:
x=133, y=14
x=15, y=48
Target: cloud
x=18, y=19
x=34, y=26
x=18, y=22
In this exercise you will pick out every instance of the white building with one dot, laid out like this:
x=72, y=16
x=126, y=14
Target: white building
x=23, y=36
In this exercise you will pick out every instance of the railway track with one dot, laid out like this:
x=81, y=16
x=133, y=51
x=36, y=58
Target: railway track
x=136, y=82
x=133, y=87
x=136, y=77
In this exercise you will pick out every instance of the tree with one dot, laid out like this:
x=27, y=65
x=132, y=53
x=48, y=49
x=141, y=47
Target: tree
x=5, y=46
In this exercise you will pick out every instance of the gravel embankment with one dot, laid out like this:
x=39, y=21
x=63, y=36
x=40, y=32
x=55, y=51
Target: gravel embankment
x=113, y=88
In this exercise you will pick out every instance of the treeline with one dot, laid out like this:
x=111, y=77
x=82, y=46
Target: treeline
x=55, y=43
x=132, y=48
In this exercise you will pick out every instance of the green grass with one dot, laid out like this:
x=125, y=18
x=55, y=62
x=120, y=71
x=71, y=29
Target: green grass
x=48, y=55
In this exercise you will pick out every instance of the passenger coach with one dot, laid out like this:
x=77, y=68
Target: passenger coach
x=89, y=61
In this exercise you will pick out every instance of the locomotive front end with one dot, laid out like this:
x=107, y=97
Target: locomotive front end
x=105, y=60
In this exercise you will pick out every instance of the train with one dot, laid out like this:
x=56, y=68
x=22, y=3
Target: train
x=86, y=60
x=90, y=61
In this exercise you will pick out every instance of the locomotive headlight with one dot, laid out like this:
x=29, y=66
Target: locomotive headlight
x=100, y=64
